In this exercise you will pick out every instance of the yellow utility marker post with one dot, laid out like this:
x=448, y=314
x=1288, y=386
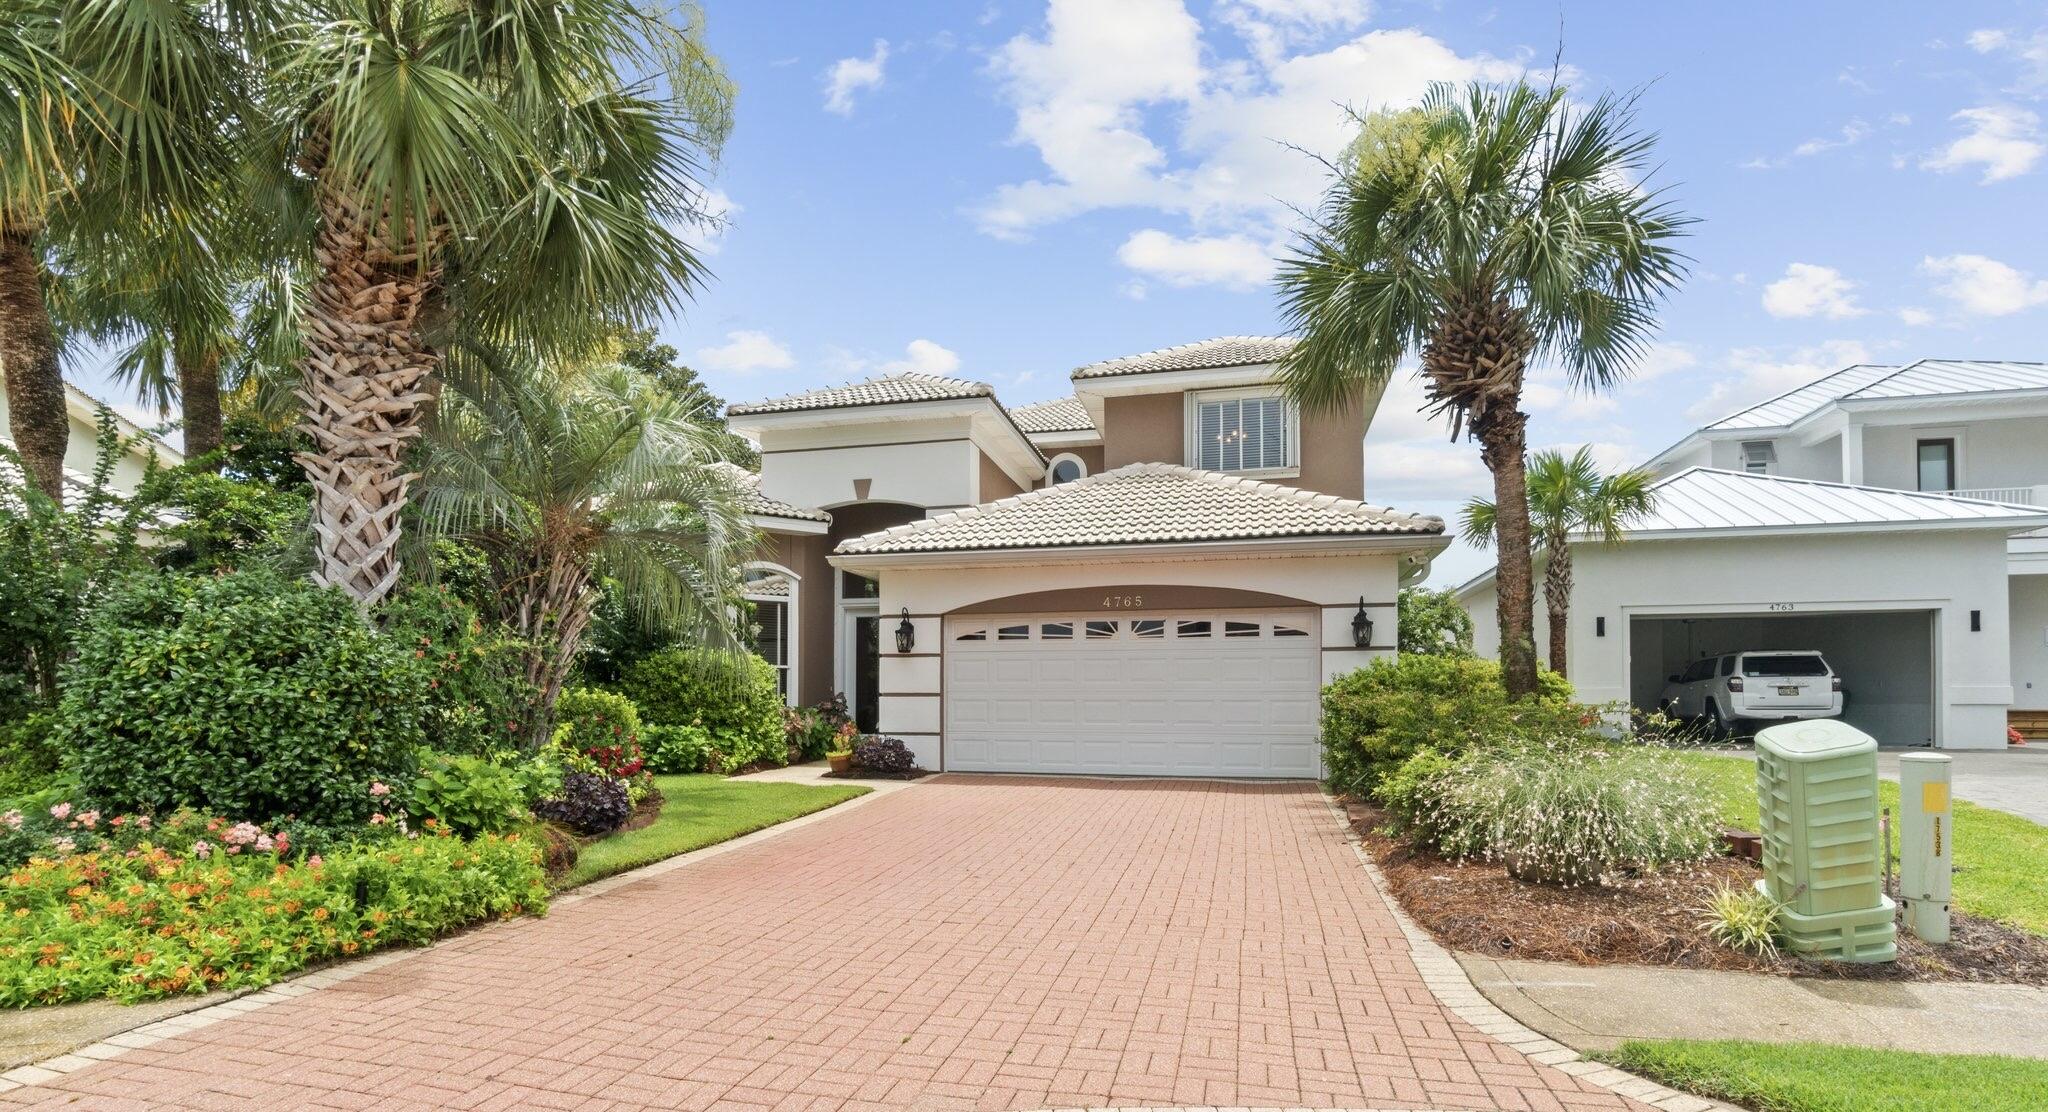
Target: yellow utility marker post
x=1926, y=838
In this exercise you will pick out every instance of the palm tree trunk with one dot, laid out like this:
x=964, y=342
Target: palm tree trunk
x=37, y=417
x=555, y=602
x=1557, y=598
x=199, y=396
x=1503, y=437
x=362, y=388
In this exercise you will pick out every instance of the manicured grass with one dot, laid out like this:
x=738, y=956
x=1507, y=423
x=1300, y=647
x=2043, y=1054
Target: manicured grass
x=1810, y=1077
x=699, y=811
x=1999, y=857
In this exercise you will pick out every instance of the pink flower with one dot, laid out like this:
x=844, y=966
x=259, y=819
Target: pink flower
x=283, y=842
x=202, y=849
x=377, y=819
x=379, y=789
x=242, y=834
x=60, y=810
x=64, y=845
x=89, y=819
x=142, y=821
x=12, y=820
x=315, y=861
x=232, y=850
x=118, y=821
x=264, y=844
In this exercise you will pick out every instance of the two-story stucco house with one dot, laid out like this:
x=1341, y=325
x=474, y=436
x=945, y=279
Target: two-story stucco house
x=1155, y=575
x=1883, y=515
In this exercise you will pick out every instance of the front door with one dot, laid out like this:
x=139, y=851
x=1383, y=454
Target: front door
x=867, y=672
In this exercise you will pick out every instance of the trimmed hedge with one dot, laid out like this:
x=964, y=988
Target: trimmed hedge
x=1378, y=716
x=732, y=697
x=252, y=694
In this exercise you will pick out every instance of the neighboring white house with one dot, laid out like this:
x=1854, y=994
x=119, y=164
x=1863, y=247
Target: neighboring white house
x=1154, y=576
x=1883, y=515
x=82, y=447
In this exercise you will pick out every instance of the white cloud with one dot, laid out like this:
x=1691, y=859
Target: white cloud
x=1915, y=316
x=1660, y=359
x=745, y=350
x=1852, y=133
x=2005, y=139
x=1810, y=290
x=924, y=357
x=1985, y=287
x=1235, y=261
x=1409, y=457
x=1758, y=374
x=849, y=76
x=2029, y=50
x=1123, y=110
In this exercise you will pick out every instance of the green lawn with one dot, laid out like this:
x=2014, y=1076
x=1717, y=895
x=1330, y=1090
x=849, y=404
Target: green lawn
x=1809, y=1077
x=1999, y=858
x=699, y=811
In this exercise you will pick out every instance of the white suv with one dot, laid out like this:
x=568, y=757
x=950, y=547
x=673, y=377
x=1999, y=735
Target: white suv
x=1754, y=687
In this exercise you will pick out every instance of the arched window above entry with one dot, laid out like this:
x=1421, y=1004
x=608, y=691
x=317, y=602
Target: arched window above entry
x=1065, y=468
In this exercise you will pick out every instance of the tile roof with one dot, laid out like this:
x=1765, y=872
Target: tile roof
x=1788, y=408
x=754, y=502
x=1144, y=503
x=1931, y=378
x=1060, y=415
x=1705, y=498
x=883, y=390
x=1223, y=351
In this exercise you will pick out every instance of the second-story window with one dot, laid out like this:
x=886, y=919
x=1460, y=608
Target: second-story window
x=1242, y=431
x=1758, y=456
x=1937, y=464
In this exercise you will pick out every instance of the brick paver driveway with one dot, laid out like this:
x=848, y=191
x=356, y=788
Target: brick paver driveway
x=985, y=942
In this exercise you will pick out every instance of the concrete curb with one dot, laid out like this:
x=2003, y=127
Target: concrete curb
x=149, y=1034
x=1446, y=980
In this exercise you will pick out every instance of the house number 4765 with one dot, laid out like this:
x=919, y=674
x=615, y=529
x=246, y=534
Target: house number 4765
x=1122, y=602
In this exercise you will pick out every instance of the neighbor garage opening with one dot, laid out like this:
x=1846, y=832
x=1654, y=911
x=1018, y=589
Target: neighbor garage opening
x=1885, y=659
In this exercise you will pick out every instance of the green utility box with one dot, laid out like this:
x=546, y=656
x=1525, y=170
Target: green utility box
x=1816, y=786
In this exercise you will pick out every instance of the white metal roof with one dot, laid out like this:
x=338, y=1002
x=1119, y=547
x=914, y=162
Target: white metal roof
x=1788, y=408
x=1930, y=378
x=1705, y=499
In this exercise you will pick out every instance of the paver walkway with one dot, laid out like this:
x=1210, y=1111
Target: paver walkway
x=975, y=942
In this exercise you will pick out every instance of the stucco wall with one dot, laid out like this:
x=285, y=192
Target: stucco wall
x=1990, y=453
x=912, y=687
x=1152, y=428
x=2029, y=641
x=926, y=463
x=804, y=555
x=1951, y=573
x=994, y=483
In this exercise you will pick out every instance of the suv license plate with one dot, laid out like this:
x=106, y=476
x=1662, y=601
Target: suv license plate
x=1784, y=689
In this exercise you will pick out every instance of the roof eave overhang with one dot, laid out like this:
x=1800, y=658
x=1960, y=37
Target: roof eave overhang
x=1241, y=547
x=1066, y=438
x=1092, y=391
x=993, y=429
x=776, y=523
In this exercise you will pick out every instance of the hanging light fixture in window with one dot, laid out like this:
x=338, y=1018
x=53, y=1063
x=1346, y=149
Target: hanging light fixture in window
x=906, y=634
x=1361, y=626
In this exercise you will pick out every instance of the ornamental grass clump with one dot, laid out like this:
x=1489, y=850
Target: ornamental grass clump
x=1744, y=919
x=1566, y=811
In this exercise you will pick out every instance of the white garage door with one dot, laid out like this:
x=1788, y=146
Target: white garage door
x=1200, y=694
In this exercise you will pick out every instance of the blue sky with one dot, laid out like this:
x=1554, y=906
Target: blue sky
x=1005, y=190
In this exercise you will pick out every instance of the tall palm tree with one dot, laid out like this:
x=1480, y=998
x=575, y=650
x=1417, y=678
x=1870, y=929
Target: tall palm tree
x=522, y=166
x=112, y=112
x=1568, y=499
x=1483, y=229
x=566, y=477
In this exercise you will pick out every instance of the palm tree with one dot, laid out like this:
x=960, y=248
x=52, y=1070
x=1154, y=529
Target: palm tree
x=564, y=478
x=112, y=113
x=1483, y=229
x=1568, y=498
x=520, y=166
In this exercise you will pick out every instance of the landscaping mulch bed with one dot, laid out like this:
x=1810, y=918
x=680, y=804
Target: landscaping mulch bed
x=863, y=774
x=1652, y=920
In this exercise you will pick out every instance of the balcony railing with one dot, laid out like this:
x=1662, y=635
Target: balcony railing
x=2014, y=495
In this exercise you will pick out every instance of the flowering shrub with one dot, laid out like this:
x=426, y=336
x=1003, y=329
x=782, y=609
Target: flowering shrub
x=1559, y=812
x=600, y=732
x=210, y=905
x=884, y=754
x=811, y=731
x=589, y=803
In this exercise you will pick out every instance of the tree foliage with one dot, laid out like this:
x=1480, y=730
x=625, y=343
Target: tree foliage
x=1431, y=621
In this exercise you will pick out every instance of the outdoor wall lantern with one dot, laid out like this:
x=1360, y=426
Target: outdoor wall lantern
x=1600, y=626
x=906, y=634
x=1361, y=626
x=1976, y=621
